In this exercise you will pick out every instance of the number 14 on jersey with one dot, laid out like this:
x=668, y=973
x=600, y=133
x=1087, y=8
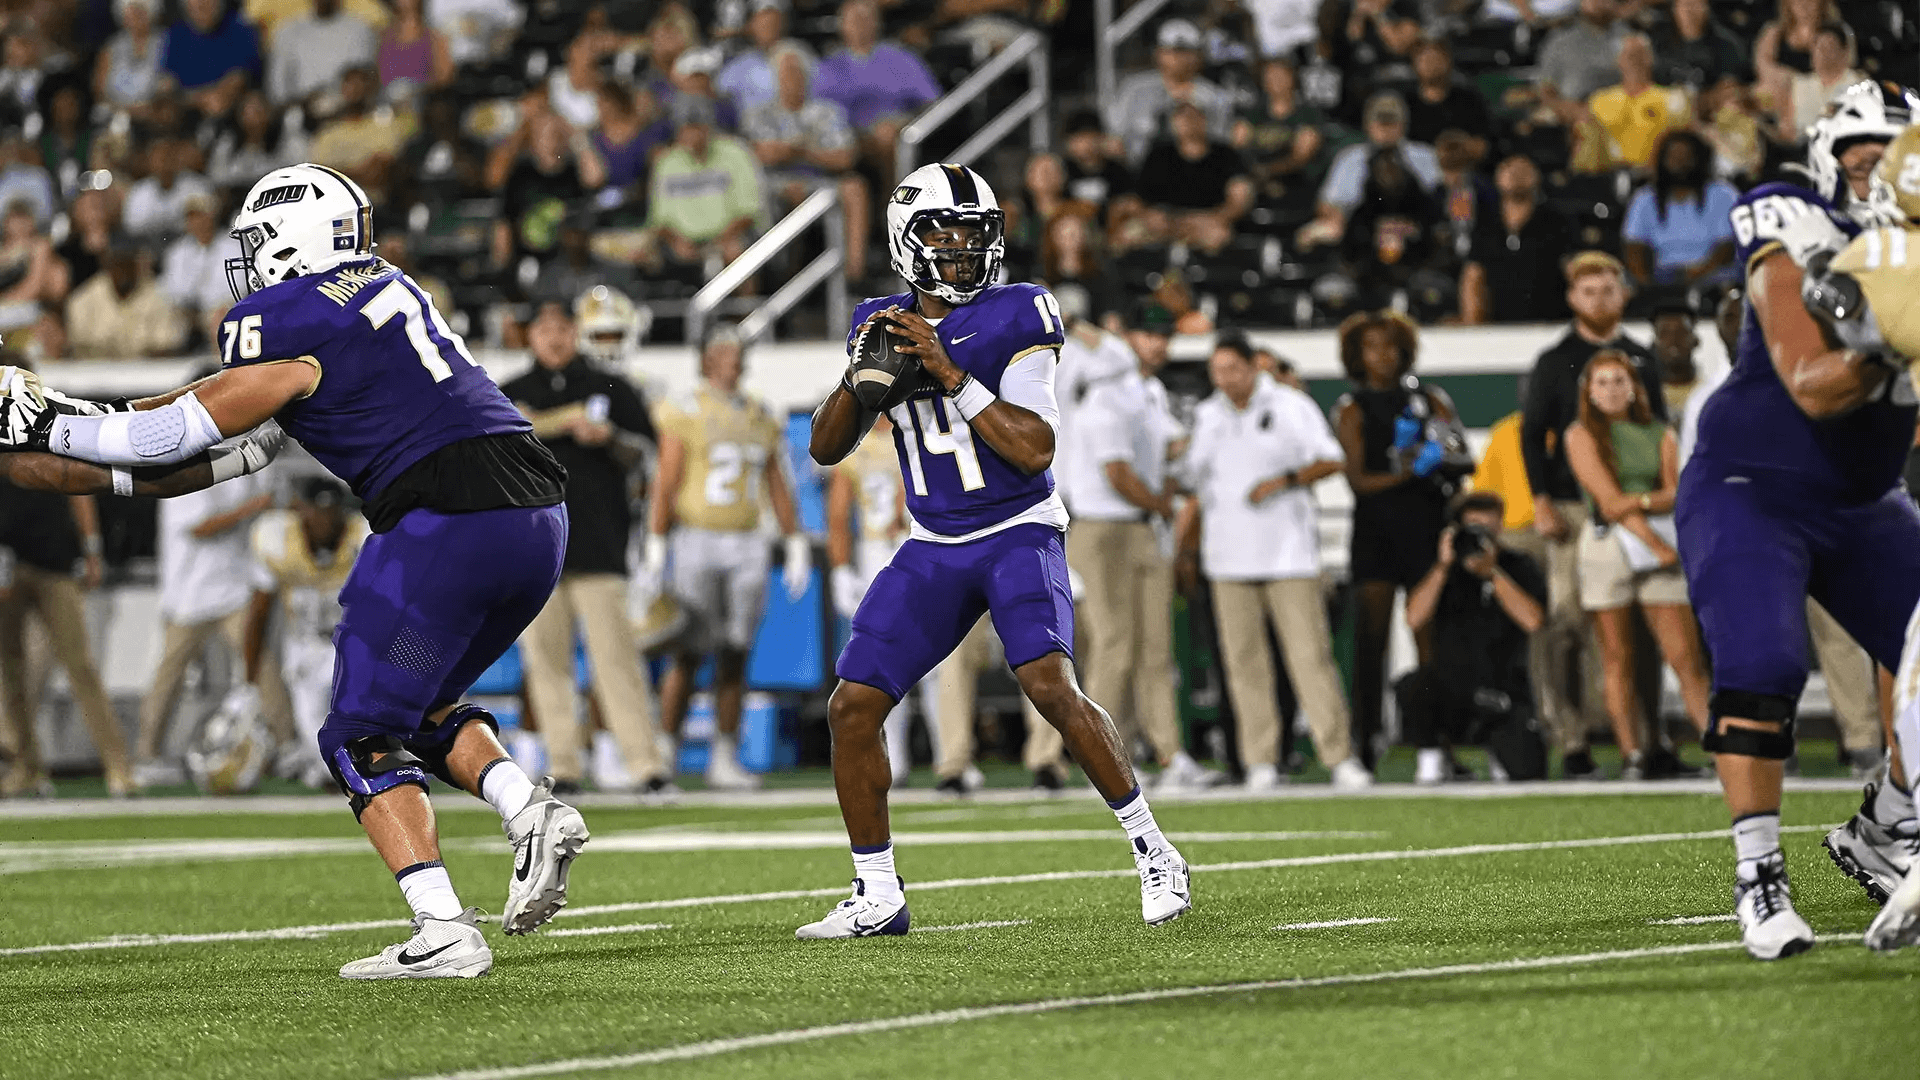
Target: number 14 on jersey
x=933, y=426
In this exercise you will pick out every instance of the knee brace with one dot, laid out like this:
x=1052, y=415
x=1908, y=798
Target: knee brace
x=361, y=777
x=433, y=744
x=1748, y=742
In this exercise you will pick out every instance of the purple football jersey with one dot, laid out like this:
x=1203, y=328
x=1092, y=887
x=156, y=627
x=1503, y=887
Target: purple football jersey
x=1752, y=423
x=395, y=383
x=957, y=484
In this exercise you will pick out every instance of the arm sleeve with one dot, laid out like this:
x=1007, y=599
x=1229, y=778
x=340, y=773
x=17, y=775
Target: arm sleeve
x=1537, y=419
x=1028, y=383
x=165, y=436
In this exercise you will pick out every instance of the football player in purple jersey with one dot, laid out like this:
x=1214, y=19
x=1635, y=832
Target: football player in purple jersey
x=1792, y=492
x=975, y=443
x=350, y=356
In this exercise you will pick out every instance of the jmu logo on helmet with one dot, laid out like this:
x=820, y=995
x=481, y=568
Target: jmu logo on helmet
x=905, y=195
x=276, y=196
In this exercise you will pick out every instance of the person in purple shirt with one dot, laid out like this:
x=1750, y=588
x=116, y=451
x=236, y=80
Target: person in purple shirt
x=213, y=54
x=878, y=83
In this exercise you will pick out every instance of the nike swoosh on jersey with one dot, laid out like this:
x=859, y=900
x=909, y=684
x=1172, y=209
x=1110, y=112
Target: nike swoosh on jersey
x=964, y=337
x=406, y=957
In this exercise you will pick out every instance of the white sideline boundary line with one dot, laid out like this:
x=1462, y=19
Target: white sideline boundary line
x=991, y=924
x=316, y=930
x=620, y=928
x=1330, y=924
x=1694, y=920
x=450, y=803
x=948, y=1017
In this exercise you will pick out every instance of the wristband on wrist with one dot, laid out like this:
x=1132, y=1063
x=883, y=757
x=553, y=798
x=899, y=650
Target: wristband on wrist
x=122, y=481
x=971, y=398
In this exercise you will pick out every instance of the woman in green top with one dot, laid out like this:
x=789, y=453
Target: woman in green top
x=1629, y=467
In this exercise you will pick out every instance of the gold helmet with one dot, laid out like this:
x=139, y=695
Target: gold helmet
x=1899, y=170
x=610, y=325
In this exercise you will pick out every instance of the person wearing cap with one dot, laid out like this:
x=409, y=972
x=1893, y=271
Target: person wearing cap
x=310, y=51
x=806, y=144
x=299, y=560
x=694, y=72
x=193, y=271
x=1597, y=293
x=1195, y=186
x=747, y=80
x=1115, y=475
x=121, y=311
x=598, y=426
x=205, y=568
x=880, y=84
x=1258, y=448
x=1385, y=121
x=706, y=199
x=1138, y=113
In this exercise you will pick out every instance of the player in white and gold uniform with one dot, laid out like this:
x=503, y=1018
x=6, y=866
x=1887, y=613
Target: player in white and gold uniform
x=303, y=555
x=722, y=453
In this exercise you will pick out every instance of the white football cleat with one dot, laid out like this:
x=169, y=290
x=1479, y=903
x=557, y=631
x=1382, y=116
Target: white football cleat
x=1874, y=854
x=1185, y=774
x=724, y=772
x=1763, y=901
x=1898, y=924
x=861, y=915
x=439, y=949
x=1264, y=778
x=1165, y=892
x=547, y=835
x=1430, y=766
x=1350, y=775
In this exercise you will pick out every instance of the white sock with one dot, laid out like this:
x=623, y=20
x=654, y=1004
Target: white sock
x=875, y=869
x=429, y=891
x=1890, y=804
x=1756, y=836
x=1137, y=818
x=506, y=788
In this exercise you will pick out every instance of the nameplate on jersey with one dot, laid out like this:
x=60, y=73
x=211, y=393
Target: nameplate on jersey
x=349, y=280
x=1763, y=218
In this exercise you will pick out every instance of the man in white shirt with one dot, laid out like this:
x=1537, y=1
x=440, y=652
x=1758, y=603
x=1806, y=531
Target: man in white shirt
x=156, y=205
x=205, y=582
x=1258, y=447
x=193, y=273
x=311, y=52
x=1116, y=481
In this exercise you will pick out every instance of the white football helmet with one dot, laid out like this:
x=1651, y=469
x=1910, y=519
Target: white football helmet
x=936, y=197
x=1865, y=110
x=610, y=326
x=299, y=220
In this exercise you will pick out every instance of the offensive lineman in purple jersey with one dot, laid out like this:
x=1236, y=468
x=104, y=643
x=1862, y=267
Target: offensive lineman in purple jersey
x=1790, y=493
x=466, y=507
x=986, y=536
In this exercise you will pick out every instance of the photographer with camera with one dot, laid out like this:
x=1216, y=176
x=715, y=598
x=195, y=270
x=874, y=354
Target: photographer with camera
x=1481, y=601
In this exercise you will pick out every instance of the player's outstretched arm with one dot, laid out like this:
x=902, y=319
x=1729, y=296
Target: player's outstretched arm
x=172, y=429
x=66, y=476
x=1824, y=381
x=1023, y=437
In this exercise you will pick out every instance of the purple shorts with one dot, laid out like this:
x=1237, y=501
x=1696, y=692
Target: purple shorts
x=429, y=606
x=1757, y=547
x=923, y=604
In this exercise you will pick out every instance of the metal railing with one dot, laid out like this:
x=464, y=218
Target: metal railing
x=1108, y=35
x=822, y=206
x=1030, y=48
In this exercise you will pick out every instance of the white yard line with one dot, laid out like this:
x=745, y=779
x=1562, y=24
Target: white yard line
x=449, y=802
x=949, y=1017
x=130, y=941
x=989, y=925
x=1693, y=920
x=1330, y=924
x=621, y=928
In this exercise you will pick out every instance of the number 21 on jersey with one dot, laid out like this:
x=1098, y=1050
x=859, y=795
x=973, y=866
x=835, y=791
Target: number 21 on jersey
x=927, y=424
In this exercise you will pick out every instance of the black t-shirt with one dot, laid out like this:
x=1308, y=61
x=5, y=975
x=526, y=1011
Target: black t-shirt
x=1553, y=404
x=1475, y=643
x=1169, y=179
x=1697, y=64
x=1463, y=109
x=1524, y=280
x=1098, y=187
x=597, y=499
x=536, y=203
x=38, y=526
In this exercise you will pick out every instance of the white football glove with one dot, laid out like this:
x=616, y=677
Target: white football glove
x=651, y=579
x=1809, y=235
x=24, y=418
x=249, y=453
x=847, y=591
x=799, y=570
x=19, y=382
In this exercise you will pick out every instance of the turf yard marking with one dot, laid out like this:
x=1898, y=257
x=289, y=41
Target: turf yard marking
x=948, y=1017
x=622, y=928
x=989, y=925
x=1332, y=923
x=1693, y=920
x=147, y=940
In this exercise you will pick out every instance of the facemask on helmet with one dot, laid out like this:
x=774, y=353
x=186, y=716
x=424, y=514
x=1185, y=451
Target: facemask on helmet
x=946, y=233
x=1867, y=111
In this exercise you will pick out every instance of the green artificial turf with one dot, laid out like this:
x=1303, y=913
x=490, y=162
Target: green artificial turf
x=275, y=1008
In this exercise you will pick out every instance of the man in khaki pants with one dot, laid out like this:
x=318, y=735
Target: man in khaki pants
x=46, y=535
x=1115, y=481
x=959, y=695
x=1258, y=447
x=598, y=426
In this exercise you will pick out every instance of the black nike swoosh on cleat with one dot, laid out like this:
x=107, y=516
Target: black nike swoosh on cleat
x=526, y=863
x=406, y=957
